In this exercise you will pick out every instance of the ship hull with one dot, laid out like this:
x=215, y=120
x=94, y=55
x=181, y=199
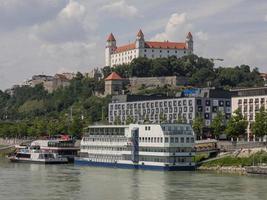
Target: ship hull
x=78, y=161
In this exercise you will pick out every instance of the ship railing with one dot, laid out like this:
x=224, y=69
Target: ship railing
x=177, y=132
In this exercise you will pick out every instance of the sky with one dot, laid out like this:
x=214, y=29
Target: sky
x=54, y=36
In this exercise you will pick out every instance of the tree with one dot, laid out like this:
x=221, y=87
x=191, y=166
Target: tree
x=117, y=120
x=162, y=118
x=237, y=125
x=106, y=71
x=129, y=120
x=218, y=124
x=76, y=127
x=198, y=125
x=259, y=127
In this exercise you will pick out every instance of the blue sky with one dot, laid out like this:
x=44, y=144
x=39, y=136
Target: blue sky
x=51, y=36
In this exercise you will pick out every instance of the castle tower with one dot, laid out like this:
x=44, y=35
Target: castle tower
x=139, y=42
x=189, y=42
x=113, y=84
x=110, y=48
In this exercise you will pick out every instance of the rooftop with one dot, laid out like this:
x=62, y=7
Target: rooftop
x=113, y=76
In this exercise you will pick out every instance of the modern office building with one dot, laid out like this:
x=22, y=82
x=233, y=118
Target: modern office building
x=249, y=101
x=205, y=102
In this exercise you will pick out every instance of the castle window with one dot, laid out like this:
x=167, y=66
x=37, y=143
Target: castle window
x=145, y=55
x=160, y=51
x=168, y=51
x=145, y=50
x=184, y=52
x=175, y=51
x=152, y=50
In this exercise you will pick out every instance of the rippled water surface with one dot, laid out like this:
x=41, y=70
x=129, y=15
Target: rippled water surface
x=20, y=181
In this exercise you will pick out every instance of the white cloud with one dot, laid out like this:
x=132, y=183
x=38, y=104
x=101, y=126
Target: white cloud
x=120, y=8
x=17, y=13
x=67, y=26
x=176, y=27
x=73, y=10
x=265, y=18
x=202, y=35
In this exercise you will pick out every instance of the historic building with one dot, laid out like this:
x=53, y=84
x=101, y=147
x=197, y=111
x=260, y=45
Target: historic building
x=116, y=55
x=206, y=102
x=113, y=84
x=249, y=101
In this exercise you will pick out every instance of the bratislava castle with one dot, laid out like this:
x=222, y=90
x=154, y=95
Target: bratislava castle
x=116, y=55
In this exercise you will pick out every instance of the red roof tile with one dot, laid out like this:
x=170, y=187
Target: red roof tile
x=113, y=76
x=111, y=37
x=125, y=48
x=165, y=45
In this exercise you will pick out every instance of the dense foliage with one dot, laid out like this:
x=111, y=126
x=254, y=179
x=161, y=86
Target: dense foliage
x=237, y=125
x=200, y=71
x=32, y=111
x=259, y=127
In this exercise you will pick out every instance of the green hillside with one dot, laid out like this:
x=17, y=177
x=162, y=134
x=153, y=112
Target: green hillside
x=34, y=111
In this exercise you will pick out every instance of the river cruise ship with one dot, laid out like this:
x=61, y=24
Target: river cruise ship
x=139, y=146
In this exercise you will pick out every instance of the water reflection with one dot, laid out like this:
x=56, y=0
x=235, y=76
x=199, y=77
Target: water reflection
x=31, y=181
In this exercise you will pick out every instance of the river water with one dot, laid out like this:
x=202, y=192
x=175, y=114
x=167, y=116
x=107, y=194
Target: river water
x=20, y=181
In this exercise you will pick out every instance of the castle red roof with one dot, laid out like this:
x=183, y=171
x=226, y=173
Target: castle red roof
x=113, y=76
x=155, y=45
x=125, y=48
x=165, y=45
x=111, y=37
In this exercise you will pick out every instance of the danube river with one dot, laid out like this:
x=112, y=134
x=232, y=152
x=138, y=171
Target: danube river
x=63, y=182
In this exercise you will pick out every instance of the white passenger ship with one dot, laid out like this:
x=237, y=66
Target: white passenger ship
x=146, y=146
x=33, y=154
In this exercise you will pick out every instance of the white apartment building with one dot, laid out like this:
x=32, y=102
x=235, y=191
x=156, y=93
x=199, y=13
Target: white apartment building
x=249, y=101
x=116, y=55
x=205, y=103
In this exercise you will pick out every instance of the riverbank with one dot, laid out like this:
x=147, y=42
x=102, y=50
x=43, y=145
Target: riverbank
x=220, y=169
x=234, y=163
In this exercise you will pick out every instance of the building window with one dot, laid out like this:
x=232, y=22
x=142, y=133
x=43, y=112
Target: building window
x=199, y=102
x=166, y=140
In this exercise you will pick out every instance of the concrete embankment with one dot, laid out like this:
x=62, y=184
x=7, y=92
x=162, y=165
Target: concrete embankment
x=11, y=141
x=229, y=169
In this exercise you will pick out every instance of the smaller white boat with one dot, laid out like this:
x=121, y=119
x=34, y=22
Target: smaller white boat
x=33, y=154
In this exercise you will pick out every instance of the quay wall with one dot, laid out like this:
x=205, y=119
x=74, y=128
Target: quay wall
x=11, y=141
